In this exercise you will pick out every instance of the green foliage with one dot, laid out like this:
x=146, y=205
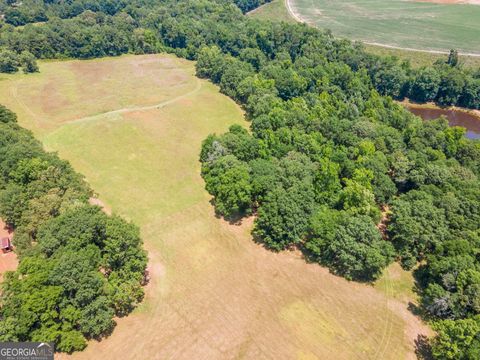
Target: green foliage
x=457, y=339
x=283, y=218
x=327, y=182
x=327, y=150
x=228, y=179
x=451, y=87
x=390, y=81
x=425, y=85
x=8, y=61
x=247, y=5
x=7, y=116
x=78, y=266
x=453, y=58
x=417, y=225
x=210, y=63
x=350, y=245
x=28, y=62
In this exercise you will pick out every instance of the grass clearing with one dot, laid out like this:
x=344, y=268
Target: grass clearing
x=214, y=293
x=277, y=11
x=420, y=58
x=406, y=24
x=398, y=283
x=273, y=11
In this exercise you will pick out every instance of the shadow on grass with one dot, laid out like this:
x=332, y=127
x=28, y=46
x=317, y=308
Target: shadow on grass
x=311, y=258
x=423, y=349
x=234, y=219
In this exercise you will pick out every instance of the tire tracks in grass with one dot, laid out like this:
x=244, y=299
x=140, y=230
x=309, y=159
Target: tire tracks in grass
x=14, y=93
x=387, y=333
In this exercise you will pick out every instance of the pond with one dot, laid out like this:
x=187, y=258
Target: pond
x=467, y=120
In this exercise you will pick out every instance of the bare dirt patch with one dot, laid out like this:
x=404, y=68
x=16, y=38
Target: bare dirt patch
x=8, y=261
x=100, y=203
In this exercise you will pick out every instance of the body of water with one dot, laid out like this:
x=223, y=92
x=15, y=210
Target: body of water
x=469, y=121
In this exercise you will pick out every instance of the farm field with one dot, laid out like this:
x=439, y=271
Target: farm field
x=277, y=11
x=133, y=126
x=397, y=23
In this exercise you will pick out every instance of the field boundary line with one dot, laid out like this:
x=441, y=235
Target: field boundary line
x=298, y=18
x=253, y=11
x=441, y=52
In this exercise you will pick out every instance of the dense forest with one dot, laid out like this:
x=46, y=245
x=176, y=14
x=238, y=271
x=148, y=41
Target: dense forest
x=331, y=164
x=78, y=266
x=95, y=28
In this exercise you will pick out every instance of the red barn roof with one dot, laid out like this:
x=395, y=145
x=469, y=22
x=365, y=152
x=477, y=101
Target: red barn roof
x=5, y=243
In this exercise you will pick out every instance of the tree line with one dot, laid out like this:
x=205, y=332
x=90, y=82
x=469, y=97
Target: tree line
x=19, y=13
x=78, y=267
x=330, y=159
x=92, y=28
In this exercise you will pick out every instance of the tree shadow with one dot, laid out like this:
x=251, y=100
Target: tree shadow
x=415, y=309
x=420, y=276
x=423, y=350
x=310, y=258
x=234, y=219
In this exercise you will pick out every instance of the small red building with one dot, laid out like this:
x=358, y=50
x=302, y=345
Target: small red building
x=6, y=244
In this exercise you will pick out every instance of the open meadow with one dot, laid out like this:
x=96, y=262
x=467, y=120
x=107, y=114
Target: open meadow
x=277, y=11
x=398, y=23
x=133, y=126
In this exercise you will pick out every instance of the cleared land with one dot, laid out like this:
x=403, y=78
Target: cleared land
x=277, y=11
x=396, y=23
x=214, y=293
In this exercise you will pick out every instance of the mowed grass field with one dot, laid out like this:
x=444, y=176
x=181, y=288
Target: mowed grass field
x=277, y=11
x=134, y=125
x=402, y=23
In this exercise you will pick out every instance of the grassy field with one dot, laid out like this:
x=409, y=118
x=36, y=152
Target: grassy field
x=407, y=24
x=134, y=125
x=277, y=11
x=419, y=58
x=273, y=11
